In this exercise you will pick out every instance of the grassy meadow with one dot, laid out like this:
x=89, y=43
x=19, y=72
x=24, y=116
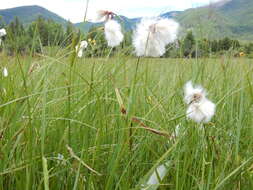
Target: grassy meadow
x=69, y=123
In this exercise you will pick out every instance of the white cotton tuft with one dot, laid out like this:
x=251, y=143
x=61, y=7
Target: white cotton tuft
x=80, y=54
x=2, y=32
x=152, y=35
x=189, y=92
x=200, y=109
x=113, y=33
x=84, y=44
x=5, y=72
x=201, y=112
x=80, y=48
x=167, y=29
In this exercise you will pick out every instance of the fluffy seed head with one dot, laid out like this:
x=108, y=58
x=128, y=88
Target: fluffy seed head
x=152, y=35
x=193, y=94
x=83, y=44
x=2, y=32
x=201, y=112
x=113, y=33
x=80, y=48
x=200, y=109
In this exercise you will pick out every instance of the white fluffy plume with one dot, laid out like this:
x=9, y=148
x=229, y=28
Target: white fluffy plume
x=200, y=109
x=112, y=28
x=113, y=33
x=80, y=48
x=2, y=32
x=152, y=35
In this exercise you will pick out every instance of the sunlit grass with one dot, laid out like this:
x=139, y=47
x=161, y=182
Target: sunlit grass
x=49, y=107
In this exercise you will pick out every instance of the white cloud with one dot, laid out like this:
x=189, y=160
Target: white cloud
x=74, y=10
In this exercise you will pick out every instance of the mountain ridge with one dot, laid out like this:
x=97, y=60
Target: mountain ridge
x=29, y=13
x=216, y=20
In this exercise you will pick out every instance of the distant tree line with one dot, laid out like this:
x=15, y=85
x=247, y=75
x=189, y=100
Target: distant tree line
x=190, y=47
x=38, y=34
x=43, y=33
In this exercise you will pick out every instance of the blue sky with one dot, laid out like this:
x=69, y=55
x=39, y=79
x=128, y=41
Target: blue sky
x=74, y=9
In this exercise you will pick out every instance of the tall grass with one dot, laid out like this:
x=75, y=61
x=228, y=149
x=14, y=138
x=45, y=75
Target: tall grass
x=62, y=126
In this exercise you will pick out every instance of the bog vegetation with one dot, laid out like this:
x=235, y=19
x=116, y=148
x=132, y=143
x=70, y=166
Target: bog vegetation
x=110, y=120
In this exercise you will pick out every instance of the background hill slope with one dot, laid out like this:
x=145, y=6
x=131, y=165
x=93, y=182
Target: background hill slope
x=27, y=14
x=232, y=18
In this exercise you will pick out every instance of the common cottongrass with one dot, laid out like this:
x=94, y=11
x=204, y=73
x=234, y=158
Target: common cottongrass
x=152, y=35
x=200, y=109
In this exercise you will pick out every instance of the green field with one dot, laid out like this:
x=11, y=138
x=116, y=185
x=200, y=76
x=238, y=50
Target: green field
x=63, y=124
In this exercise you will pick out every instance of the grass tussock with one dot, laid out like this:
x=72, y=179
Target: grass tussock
x=87, y=123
